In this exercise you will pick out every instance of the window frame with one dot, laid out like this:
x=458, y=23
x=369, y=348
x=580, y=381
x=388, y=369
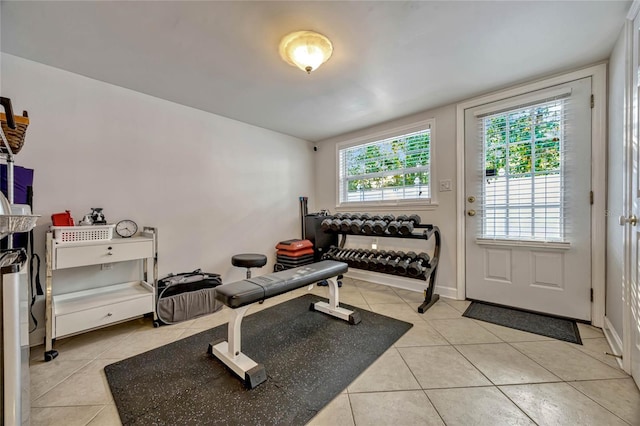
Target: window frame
x=424, y=204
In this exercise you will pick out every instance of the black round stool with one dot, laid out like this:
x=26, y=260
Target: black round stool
x=249, y=260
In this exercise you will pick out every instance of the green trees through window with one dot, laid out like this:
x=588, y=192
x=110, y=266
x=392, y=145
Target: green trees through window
x=523, y=141
x=523, y=173
x=394, y=168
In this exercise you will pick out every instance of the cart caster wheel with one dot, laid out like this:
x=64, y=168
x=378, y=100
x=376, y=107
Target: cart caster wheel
x=323, y=283
x=156, y=324
x=50, y=355
x=339, y=283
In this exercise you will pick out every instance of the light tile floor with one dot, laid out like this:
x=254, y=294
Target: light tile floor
x=446, y=370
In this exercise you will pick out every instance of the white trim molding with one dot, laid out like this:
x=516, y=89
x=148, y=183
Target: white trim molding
x=598, y=73
x=615, y=343
x=629, y=116
x=633, y=10
x=399, y=282
x=549, y=245
x=424, y=204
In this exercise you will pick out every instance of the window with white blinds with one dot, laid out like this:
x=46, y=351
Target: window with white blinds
x=523, y=195
x=389, y=170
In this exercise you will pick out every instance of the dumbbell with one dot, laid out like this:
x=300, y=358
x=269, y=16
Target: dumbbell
x=379, y=226
x=388, y=218
x=356, y=224
x=401, y=267
x=344, y=254
x=329, y=254
x=361, y=262
x=351, y=255
x=419, y=265
x=333, y=252
x=390, y=265
x=345, y=225
x=381, y=263
x=369, y=263
x=375, y=262
x=394, y=225
x=368, y=225
x=353, y=259
x=355, y=216
x=406, y=227
x=362, y=253
x=335, y=225
x=325, y=225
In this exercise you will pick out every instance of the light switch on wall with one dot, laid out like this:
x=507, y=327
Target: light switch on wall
x=445, y=185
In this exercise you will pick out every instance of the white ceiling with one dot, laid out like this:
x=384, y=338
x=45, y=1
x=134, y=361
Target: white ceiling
x=390, y=59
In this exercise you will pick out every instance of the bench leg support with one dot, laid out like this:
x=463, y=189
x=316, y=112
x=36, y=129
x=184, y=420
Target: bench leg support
x=229, y=352
x=332, y=308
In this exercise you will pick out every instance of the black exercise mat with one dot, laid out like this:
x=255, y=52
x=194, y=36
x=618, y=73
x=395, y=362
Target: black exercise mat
x=544, y=325
x=309, y=358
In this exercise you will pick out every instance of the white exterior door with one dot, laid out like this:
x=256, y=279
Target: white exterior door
x=527, y=201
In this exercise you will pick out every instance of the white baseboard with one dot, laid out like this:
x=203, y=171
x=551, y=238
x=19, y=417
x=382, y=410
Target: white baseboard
x=400, y=282
x=614, y=340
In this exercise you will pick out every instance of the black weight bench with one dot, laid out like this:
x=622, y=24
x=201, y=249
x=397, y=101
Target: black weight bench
x=240, y=294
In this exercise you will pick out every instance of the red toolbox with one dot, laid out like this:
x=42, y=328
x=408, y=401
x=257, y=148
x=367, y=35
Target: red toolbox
x=62, y=219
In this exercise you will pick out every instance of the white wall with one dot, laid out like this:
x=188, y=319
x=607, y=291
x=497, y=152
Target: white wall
x=615, y=259
x=212, y=186
x=443, y=215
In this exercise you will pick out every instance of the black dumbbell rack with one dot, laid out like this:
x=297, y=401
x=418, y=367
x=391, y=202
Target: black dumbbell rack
x=429, y=275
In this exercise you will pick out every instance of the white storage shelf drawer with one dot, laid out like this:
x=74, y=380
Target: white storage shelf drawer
x=95, y=254
x=83, y=311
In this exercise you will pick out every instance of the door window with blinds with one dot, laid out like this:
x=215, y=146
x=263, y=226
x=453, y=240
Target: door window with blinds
x=524, y=171
x=392, y=170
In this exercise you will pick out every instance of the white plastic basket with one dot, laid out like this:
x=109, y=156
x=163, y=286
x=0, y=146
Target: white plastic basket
x=78, y=234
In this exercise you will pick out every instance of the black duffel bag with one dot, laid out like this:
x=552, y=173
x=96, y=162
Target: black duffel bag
x=182, y=297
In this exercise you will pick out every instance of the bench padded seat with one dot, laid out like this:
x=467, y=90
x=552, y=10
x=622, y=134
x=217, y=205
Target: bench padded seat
x=245, y=292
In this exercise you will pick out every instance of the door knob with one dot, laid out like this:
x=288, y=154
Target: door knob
x=471, y=213
x=633, y=220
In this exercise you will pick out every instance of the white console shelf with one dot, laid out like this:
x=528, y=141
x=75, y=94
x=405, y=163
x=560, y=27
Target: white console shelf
x=79, y=311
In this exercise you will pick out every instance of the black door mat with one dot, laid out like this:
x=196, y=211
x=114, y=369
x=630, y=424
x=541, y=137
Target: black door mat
x=544, y=325
x=309, y=358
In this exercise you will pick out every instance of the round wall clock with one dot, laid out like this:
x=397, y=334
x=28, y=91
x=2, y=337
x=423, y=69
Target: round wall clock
x=126, y=228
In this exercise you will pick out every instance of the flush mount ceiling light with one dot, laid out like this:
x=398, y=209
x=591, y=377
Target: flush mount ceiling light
x=306, y=50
